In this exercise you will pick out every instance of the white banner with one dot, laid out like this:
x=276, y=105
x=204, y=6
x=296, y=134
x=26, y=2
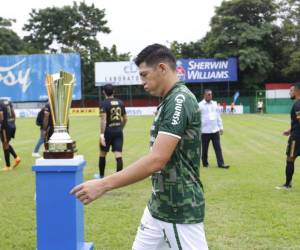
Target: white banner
x=137, y=111
x=116, y=73
x=131, y=111
x=26, y=112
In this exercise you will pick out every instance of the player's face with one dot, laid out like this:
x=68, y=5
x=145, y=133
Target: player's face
x=151, y=79
x=208, y=96
x=292, y=92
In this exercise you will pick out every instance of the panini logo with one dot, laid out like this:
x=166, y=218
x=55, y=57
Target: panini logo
x=178, y=108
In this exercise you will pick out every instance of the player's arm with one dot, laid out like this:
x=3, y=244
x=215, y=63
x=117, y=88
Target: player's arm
x=124, y=116
x=103, y=121
x=46, y=120
x=219, y=120
x=1, y=119
x=162, y=151
x=13, y=112
x=124, y=120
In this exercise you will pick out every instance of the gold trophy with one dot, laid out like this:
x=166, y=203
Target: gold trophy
x=60, y=88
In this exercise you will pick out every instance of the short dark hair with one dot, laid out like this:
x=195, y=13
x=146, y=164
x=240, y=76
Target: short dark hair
x=154, y=54
x=207, y=90
x=108, y=89
x=297, y=85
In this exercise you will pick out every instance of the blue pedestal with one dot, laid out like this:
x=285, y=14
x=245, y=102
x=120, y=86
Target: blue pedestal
x=59, y=215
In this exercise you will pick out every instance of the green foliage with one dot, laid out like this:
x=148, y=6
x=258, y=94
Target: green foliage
x=10, y=42
x=290, y=24
x=74, y=29
x=6, y=22
x=243, y=208
x=244, y=29
x=187, y=50
x=262, y=34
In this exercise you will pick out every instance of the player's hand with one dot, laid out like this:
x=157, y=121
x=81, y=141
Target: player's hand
x=102, y=140
x=286, y=133
x=221, y=131
x=89, y=191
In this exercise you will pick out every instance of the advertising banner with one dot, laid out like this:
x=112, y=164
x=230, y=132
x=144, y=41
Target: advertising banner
x=116, y=73
x=22, y=77
x=207, y=70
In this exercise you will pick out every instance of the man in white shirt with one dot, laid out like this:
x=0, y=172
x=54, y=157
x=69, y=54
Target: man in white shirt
x=212, y=128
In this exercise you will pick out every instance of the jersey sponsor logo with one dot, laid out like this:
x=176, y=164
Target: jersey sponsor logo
x=179, y=99
x=114, y=103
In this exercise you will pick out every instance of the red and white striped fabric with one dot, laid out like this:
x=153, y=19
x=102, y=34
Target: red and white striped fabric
x=277, y=90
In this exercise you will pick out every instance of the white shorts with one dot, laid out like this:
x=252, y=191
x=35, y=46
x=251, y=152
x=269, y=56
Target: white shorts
x=154, y=234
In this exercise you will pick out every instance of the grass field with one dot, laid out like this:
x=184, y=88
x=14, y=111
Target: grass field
x=243, y=209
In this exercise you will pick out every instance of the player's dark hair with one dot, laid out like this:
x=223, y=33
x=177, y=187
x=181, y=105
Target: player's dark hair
x=154, y=54
x=207, y=90
x=297, y=85
x=108, y=89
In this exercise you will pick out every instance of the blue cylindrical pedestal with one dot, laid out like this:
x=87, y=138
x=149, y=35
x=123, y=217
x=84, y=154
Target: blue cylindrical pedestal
x=59, y=215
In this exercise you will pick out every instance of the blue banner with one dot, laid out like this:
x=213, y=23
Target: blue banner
x=22, y=77
x=236, y=96
x=207, y=70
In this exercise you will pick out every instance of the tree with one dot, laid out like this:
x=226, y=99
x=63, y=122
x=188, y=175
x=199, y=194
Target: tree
x=73, y=29
x=247, y=30
x=187, y=50
x=290, y=42
x=10, y=42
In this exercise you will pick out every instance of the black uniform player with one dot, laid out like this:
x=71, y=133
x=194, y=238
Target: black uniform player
x=8, y=130
x=293, y=148
x=112, y=121
x=47, y=127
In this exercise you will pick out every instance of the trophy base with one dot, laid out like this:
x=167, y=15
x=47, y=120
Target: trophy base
x=59, y=150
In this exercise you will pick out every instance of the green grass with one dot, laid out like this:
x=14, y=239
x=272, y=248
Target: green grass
x=243, y=209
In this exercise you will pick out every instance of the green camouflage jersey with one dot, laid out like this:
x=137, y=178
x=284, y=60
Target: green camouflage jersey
x=177, y=195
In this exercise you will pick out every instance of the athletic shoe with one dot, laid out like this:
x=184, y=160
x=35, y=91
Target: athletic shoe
x=35, y=154
x=206, y=166
x=224, y=166
x=6, y=168
x=284, y=186
x=17, y=162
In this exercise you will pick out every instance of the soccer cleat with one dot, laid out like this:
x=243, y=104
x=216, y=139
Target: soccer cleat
x=284, y=186
x=6, y=168
x=97, y=176
x=224, y=166
x=35, y=154
x=17, y=162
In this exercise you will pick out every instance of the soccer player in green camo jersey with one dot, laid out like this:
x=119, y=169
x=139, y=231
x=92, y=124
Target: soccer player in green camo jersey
x=173, y=218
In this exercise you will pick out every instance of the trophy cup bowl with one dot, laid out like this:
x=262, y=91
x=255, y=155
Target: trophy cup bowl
x=60, y=88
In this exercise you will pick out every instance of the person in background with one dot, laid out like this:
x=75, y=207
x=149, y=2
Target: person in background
x=293, y=147
x=224, y=104
x=260, y=105
x=43, y=128
x=7, y=132
x=212, y=128
x=232, y=109
x=112, y=122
